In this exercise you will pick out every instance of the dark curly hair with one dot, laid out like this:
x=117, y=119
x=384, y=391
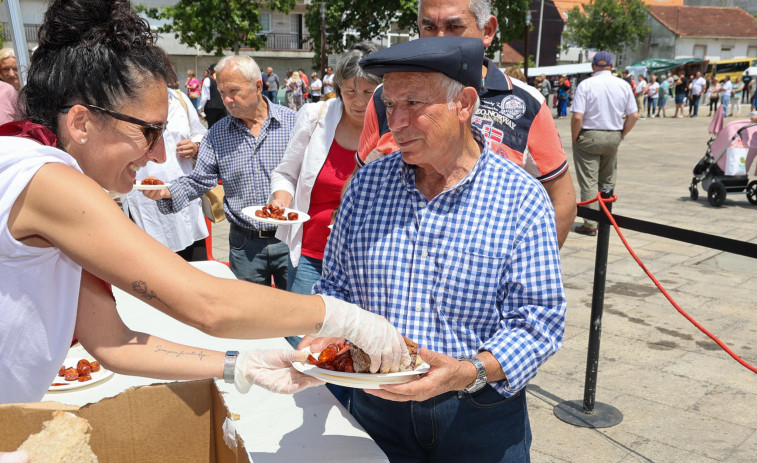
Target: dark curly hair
x=98, y=52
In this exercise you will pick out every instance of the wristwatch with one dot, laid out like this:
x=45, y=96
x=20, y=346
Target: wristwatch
x=480, y=374
x=229, y=363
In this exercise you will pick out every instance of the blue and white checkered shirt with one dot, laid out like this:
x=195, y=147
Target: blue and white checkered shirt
x=231, y=153
x=475, y=269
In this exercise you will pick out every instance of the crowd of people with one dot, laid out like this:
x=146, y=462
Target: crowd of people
x=653, y=92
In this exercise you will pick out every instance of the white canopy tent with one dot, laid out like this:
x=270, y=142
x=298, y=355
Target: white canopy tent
x=560, y=69
x=750, y=71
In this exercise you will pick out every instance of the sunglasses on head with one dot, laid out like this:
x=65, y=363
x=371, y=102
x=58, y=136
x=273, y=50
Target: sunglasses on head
x=151, y=132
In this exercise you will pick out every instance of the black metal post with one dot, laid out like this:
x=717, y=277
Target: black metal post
x=589, y=413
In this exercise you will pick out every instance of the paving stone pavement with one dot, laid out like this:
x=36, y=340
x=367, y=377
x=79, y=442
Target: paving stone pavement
x=683, y=398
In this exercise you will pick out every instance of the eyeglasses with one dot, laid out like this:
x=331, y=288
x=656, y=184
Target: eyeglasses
x=151, y=132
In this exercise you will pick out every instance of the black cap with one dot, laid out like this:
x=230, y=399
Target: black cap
x=212, y=68
x=459, y=58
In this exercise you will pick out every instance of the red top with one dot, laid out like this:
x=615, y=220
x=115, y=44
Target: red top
x=324, y=199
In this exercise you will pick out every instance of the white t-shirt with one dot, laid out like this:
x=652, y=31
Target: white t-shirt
x=328, y=84
x=39, y=287
x=653, y=90
x=698, y=85
x=178, y=230
x=727, y=87
x=603, y=99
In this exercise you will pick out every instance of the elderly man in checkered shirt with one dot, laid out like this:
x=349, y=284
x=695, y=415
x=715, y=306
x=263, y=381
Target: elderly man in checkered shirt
x=457, y=247
x=241, y=150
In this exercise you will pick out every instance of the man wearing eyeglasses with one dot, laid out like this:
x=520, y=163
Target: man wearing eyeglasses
x=241, y=150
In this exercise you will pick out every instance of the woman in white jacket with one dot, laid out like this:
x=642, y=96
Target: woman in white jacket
x=318, y=160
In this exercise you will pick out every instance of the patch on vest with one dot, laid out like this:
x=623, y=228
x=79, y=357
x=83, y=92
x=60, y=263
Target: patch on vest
x=513, y=107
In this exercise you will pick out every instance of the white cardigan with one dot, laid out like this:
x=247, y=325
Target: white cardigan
x=303, y=159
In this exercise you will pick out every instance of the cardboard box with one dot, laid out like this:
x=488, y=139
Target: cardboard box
x=172, y=422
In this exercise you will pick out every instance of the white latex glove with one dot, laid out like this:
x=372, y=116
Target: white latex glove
x=272, y=369
x=370, y=332
x=19, y=456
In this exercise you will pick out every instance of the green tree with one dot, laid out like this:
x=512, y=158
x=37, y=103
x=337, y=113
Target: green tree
x=215, y=25
x=368, y=19
x=608, y=25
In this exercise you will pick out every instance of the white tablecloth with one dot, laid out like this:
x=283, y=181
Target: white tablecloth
x=310, y=426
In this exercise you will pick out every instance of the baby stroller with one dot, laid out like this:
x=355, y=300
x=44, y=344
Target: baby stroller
x=735, y=146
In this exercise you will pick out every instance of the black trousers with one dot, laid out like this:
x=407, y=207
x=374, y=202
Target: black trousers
x=213, y=115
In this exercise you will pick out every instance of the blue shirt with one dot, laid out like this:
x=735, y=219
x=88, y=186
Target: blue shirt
x=475, y=269
x=242, y=161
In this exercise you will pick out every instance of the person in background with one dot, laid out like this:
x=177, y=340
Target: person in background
x=725, y=95
x=183, y=232
x=241, y=150
x=698, y=85
x=9, y=69
x=653, y=94
x=639, y=93
x=545, y=87
x=477, y=287
x=315, y=88
x=8, y=103
x=714, y=90
x=563, y=93
x=663, y=98
x=193, y=88
x=273, y=85
x=295, y=87
x=211, y=104
x=738, y=89
x=318, y=160
x=604, y=112
x=681, y=90
x=328, y=84
x=512, y=71
x=288, y=97
x=64, y=242
x=305, y=85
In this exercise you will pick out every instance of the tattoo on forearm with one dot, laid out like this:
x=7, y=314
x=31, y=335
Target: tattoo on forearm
x=182, y=353
x=318, y=327
x=140, y=287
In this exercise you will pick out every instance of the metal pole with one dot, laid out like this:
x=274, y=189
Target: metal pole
x=323, y=40
x=525, y=47
x=538, y=40
x=19, y=40
x=589, y=413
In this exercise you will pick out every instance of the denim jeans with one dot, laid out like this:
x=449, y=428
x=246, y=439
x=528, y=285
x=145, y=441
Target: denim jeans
x=300, y=280
x=478, y=427
x=651, y=106
x=695, y=104
x=258, y=260
x=724, y=100
x=303, y=277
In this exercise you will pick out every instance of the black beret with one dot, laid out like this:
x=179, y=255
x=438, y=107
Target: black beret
x=459, y=58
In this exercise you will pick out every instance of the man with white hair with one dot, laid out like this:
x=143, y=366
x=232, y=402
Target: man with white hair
x=457, y=247
x=241, y=150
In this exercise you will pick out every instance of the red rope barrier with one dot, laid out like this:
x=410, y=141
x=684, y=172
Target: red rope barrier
x=720, y=343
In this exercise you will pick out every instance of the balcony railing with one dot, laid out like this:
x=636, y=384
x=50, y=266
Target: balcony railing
x=277, y=41
x=30, y=31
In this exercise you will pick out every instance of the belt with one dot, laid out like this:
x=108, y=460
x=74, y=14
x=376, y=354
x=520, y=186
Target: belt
x=599, y=130
x=253, y=233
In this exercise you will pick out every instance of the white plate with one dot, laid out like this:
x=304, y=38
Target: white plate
x=60, y=384
x=250, y=212
x=360, y=380
x=139, y=186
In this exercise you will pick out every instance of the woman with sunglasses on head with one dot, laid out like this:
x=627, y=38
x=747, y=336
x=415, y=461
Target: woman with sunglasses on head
x=95, y=106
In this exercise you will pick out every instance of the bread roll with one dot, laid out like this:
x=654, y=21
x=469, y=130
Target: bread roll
x=63, y=439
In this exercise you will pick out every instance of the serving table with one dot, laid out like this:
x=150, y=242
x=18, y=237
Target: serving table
x=310, y=426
